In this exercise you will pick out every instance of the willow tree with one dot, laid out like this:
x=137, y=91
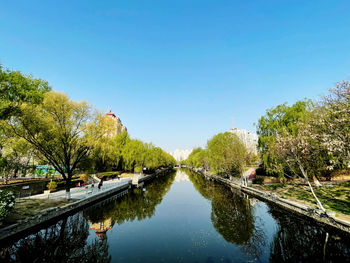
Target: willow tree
x=198, y=158
x=276, y=121
x=226, y=154
x=103, y=141
x=57, y=130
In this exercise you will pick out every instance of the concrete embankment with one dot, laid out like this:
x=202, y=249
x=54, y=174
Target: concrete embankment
x=53, y=214
x=303, y=210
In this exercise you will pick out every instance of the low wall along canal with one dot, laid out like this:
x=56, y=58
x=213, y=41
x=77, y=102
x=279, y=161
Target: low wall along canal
x=180, y=217
x=305, y=211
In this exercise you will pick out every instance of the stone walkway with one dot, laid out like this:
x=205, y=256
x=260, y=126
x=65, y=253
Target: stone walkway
x=84, y=191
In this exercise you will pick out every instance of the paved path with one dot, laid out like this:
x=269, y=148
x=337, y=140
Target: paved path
x=84, y=191
x=249, y=171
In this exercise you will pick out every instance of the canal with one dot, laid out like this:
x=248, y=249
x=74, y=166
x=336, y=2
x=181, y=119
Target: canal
x=180, y=217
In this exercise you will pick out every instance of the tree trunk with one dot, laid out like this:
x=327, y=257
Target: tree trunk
x=312, y=190
x=68, y=180
x=316, y=181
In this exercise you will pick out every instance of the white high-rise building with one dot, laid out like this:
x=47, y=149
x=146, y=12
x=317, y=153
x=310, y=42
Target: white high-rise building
x=180, y=155
x=249, y=139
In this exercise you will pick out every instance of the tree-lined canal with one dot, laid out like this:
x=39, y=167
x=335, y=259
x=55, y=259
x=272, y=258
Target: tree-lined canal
x=181, y=217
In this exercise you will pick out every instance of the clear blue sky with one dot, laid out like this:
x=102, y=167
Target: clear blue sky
x=176, y=71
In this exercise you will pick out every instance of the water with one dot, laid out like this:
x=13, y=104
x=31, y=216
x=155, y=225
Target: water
x=181, y=217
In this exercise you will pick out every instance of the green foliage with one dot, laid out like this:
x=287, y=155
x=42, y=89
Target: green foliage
x=7, y=203
x=236, y=227
x=51, y=185
x=102, y=141
x=16, y=156
x=48, y=125
x=121, y=152
x=136, y=153
x=198, y=158
x=136, y=205
x=226, y=154
x=276, y=122
x=57, y=129
x=17, y=88
x=138, y=169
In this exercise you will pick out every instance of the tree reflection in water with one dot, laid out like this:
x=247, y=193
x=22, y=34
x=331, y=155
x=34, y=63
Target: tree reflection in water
x=296, y=239
x=65, y=241
x=232, y=215
x=300, y=241
x=138, y=204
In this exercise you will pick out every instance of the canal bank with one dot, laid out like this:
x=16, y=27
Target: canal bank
x=180, y=217
x=302, y=210
x=86, y=199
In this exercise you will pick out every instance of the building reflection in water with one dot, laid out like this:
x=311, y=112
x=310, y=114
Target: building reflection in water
x=101, y=227
x=181, y=176
x=65, y=241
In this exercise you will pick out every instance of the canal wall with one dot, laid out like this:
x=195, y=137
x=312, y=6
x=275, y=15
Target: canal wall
x=315, y=214
x=55, y=213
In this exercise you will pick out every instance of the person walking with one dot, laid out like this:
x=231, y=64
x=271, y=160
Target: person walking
x=100, y=184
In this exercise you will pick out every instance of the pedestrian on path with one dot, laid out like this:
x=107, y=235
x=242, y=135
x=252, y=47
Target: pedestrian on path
x=100, y=184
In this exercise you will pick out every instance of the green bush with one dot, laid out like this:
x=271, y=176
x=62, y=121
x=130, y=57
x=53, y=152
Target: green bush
x=258, y=180
x=51, y=185
x=7, y=203
x=138, y=169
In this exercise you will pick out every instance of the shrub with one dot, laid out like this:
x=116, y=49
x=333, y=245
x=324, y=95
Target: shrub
x=138, y=169
x=51, y=185
x=7, y=203
x=258, y=180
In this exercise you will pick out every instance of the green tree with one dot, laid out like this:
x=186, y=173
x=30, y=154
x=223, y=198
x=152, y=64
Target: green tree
x=226, y=154
x=134, y=154
x=17, y=154
x=57, y=130
x=102, y=140
x=198, y=158
x=17, y=88
x=282, y=118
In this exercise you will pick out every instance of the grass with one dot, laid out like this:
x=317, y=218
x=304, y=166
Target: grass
x=275, y=186
x=27, y=208
x=333, y=197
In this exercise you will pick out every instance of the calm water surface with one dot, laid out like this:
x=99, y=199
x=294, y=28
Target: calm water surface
x=181, y=217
